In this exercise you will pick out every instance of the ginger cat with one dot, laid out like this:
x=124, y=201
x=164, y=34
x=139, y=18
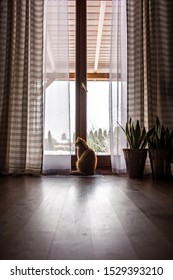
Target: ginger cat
x=86, y=159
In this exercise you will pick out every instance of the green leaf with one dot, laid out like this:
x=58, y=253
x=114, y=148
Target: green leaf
x=136, y=137
x=159, y=136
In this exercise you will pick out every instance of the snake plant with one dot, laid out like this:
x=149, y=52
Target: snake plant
x=136, y=136
x=159, y=137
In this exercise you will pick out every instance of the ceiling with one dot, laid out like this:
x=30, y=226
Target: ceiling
x=98, y=37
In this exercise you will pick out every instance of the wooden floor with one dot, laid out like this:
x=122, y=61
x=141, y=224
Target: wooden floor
x=101, y=217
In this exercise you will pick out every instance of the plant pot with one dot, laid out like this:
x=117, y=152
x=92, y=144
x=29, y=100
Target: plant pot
x=160, y=160
x=135, y=162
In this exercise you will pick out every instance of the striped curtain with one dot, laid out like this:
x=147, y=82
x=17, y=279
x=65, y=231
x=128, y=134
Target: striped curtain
x=21, y=94
x=150, y=60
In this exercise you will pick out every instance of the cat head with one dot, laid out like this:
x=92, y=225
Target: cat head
x=80, y=142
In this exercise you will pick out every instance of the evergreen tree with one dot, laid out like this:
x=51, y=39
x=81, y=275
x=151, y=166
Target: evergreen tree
x=105, y=134
x=50, y=141
x=90, y=139
x=64, y=136
x=95, y=134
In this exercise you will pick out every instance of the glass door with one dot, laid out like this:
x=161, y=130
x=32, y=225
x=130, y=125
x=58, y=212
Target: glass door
x=77, y=50
x=57, y=120
x=98, y=57
x=93, y=33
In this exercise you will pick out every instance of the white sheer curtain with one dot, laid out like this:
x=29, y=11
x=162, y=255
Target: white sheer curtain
x=118, y=85
x=57, y=143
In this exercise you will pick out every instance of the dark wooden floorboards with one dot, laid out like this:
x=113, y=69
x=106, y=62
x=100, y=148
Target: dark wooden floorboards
x=104, y=217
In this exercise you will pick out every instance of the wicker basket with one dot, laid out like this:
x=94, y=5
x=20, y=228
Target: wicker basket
x=160, y=160
x=135, y=162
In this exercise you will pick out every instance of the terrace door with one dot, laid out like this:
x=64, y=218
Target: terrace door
x=93, y=35
x=77, y=74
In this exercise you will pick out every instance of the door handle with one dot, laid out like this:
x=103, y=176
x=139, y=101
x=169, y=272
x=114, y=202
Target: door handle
x=84, y=87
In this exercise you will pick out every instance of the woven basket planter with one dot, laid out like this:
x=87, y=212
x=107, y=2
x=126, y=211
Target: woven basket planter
x=135, y=162
x=160, y=160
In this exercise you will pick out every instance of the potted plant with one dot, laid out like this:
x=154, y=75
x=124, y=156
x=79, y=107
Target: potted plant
x=135, y=155
x=160, y=143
